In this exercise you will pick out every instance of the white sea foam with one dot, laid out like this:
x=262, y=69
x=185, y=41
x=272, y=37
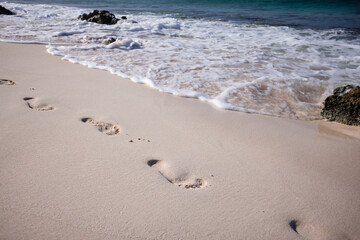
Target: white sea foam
x=278, y=71
x=126, y=43
x=67, y=33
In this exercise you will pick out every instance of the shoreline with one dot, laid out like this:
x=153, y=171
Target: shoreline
x=260, y=176
x=211, y=102
x=296, y=72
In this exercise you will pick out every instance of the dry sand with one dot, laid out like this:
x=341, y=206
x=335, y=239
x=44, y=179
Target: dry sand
x=88, y=155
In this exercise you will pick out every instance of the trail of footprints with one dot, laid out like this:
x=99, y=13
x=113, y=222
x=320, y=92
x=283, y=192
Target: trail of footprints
x=183, y=180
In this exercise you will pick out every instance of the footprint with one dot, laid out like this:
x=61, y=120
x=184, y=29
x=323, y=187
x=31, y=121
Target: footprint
x=315, y=232
x=7, y=82
x=33, y=104
x=184, y=180
x=140, y=139
x=108, y=128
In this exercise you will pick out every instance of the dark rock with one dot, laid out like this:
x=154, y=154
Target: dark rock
x=100, y=17
x=124, y=17
x=110, y=40
x=343, y=106
x=5, y=11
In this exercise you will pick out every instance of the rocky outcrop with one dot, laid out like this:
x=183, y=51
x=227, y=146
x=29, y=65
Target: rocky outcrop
x=100, y=17
x=343, y=106
x=5, y=11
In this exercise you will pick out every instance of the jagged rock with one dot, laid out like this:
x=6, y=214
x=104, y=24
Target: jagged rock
x=100, y=17
x=343, y=106
x=5, y=11
x=125, y=19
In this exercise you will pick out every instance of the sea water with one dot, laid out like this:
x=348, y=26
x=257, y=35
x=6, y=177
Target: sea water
x=279, y=58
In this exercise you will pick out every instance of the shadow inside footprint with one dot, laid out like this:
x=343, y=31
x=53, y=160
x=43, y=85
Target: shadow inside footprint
x=7, y=82
x=151, y=163
x=108, y=128
x=293, y=224
x=184, y=180
x=33, y=104
x=84, y=120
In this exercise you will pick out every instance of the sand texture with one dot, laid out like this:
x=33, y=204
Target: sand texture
x=85, y=154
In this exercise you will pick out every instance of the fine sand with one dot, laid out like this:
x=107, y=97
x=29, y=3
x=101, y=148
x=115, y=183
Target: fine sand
x=85, y=154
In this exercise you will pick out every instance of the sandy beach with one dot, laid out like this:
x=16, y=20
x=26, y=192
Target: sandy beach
x=85, y=154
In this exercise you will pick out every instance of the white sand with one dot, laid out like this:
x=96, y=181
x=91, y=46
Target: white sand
x=69, y=171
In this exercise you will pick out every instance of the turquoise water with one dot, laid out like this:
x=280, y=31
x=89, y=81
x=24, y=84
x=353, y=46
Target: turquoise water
x=319, y=14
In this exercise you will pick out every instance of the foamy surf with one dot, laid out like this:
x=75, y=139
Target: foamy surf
x=273, y=70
